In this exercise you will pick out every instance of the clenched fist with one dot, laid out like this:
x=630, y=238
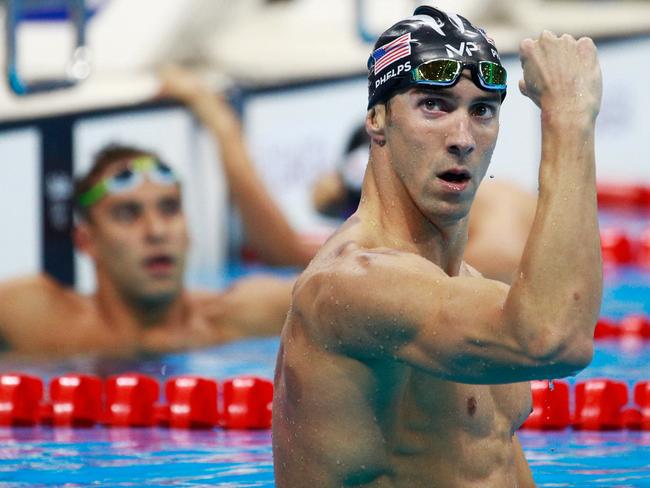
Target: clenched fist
x=562, y=75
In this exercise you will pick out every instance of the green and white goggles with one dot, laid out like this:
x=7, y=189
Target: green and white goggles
x=129, y=178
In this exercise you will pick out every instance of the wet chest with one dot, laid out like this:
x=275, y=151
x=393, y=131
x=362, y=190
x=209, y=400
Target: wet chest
x=430, y=404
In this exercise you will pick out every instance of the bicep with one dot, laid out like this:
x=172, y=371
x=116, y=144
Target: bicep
x=400, y=306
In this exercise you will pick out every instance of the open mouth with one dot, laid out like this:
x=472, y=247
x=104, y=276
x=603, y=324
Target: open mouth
x=457, y=176
x=159, y=262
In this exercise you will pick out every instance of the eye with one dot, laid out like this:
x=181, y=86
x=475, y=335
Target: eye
x=433, y=104
x=169, y=206
x=484, y=111
x=126, y=212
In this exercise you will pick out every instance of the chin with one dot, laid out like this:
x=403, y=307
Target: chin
x=449, y=212
x=159, y=296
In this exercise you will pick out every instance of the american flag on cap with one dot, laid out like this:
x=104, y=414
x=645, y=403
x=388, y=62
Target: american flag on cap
x=390, y=52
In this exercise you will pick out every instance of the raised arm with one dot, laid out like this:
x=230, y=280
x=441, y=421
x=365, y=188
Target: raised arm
x=382, y=304
x=267, y=230
x=560, y=276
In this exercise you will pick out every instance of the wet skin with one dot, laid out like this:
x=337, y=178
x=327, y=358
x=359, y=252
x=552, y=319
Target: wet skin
x=357, y=410
x=348, y=417
x=399, y=365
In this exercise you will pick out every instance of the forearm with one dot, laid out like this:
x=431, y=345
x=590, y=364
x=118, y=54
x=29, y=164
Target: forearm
x=555, y=297
x=267, y=230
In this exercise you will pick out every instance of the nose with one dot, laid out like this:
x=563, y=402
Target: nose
x=155, y=226
x=460, y=140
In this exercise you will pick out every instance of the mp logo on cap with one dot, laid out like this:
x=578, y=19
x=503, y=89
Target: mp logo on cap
x=464, y=48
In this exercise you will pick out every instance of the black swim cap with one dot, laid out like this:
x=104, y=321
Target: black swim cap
x=427, y=35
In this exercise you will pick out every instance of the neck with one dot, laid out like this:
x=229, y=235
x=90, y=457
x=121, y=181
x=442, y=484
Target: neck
x=398, y=222
x=131, y=316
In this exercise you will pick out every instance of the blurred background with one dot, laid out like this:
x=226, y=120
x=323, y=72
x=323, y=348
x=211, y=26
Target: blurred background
x=80, y=74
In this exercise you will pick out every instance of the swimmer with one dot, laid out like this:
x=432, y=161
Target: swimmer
x=132, y=225
x=399, y=364
x=499, y=220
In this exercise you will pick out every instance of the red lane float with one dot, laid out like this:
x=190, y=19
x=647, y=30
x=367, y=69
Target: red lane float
x=635, y=327
x=606, y=329
x=130, y=400
x=616, y=246
x=643, y=250
x=76, y=400
x=192, y=402
x=642, y=400
x=247, y=403
x=627, y=196
x=599, y=404
x=20, y=397
x=550, y=406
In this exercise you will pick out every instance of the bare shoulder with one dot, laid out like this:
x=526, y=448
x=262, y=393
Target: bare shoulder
x=203, y=297
x=37, y=287
x=27, y=301
x=255, y=305
x=347, y=275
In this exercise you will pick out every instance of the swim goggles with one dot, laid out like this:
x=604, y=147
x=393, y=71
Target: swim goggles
x=446, y=72
x=129, y=178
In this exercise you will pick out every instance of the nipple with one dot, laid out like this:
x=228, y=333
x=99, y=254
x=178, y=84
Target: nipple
x=471, y=406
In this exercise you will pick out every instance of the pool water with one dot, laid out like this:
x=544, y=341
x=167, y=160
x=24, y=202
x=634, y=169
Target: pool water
x=135, y=457
x=43, y=456
x=46, y=456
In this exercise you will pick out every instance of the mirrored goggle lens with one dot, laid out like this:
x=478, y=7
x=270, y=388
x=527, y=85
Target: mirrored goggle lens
x=493, y=75
x=439, y=72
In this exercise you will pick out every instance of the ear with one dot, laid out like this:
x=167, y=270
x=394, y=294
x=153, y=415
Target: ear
x=376, y=122
x=83, y=238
